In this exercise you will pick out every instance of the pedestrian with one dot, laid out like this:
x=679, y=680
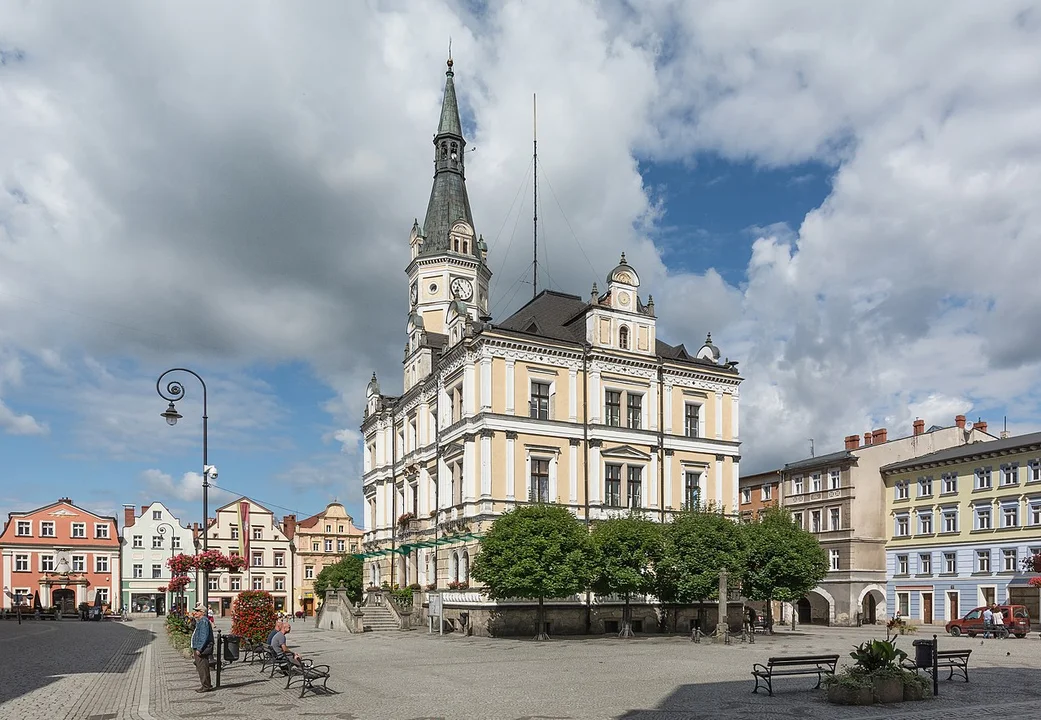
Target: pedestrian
x=202, y=647
x=278, y=644
x=999, y=623
x=988, y=622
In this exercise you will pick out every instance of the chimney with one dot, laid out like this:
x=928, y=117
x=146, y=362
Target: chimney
x=959, y=420
x=878, y=436
x=867, y=439
x=65, y=500
x=980, y=425
x=289, y=525
x=852, y=442
x=919, y=427
x=128, y=516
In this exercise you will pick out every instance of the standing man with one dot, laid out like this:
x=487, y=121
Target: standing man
x=202, y=646
x=988, y=622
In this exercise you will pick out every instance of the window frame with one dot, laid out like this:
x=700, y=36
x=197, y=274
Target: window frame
x=634, y=478
x=834, y=559
x=925, y=563
x=692, y=431
x=538, y=403
x=137, y=571
x=21, y=562
x=903, y=565
x=538, y=481
x=48, y=528
x=81, y=527
x=24, y=528
x=612, y=410
x=612, y=482
x=634, y=410
x=981, y=556
x=101, y=564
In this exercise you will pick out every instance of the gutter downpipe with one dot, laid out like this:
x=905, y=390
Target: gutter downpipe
x=585, y=465
x=661, y=437
x=393, y=498
x=437, y=470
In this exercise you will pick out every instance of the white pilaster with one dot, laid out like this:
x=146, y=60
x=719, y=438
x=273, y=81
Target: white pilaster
x=510, y=392
x=650, y=490
x=511, y=466
x=594, y=475
x=573, y=472
x=735, y=474
x=719, y=416
x=445, y=485
x=595, y=403
x=486, y=383
x=423, y=488
x=651, y=406
x=486, y=465
x=527, y=475
x=719, y=480
x=553, y=496
x=668, y=408
x=469, y=390
x=735, y=401
x=572, y=395
x=444, y=408
x=667, y=501
x=469, y=470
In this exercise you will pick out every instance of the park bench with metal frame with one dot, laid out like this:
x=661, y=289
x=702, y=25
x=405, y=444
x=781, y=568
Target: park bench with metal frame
x=819, y=665
x=953, y=660
x=308, y=673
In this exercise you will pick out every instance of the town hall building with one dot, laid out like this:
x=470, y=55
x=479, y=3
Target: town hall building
x=570, y=400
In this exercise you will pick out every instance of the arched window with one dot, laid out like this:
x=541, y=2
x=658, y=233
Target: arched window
x=444, y=150
x=455, y=151
x=457, y=244
x=453, y=570
x=464, y=247
x=464, y=570
x=623, y=338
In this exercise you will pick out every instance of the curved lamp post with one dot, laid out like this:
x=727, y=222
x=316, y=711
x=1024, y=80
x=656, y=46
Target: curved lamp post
x=174, y=391
x=161, y=529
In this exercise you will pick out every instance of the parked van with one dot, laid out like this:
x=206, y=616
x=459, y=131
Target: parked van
x=1017, y=620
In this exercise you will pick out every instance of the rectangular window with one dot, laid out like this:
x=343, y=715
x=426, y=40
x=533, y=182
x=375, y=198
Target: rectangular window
x=902, y=526
x=157, y=514
x=1010, y=559
x=613, y=408
x=157, y=571
x=79, y=563
x=834, y=480
x=341, y=545
x=103, y=594
x=157, y=542
x=100, y=564
x=258, y=558
x=634, y=487
x=308, y=572
x=950, y=563
x=902, y=489
x=25, y=528
x=835, y=518
x=258, y=583
x=901, y=565
x=746, y=495
x=79, y=530
x=634, y=410
x=950, y=483
x=982, y=478
x=539, y=489
x=47, y=528
x=903, y=603
x=46, y=563
x=950, y=520
x=815, y=521
x=691, y=412
x=315, y=547
x=280, y=557
x=1034, y=471
x=280, y=583
x=258, y=533
x=175, y=542
x=1010, y=474
x=797, y=486
x=767, y=492
x=925, y=486
x=983, y=518
x=925, y=523
x=613, y=485
x=539, y=405
x=1010, y=516
x=815, y=482
x=797, y=519
x=234, y=532
x=328, y=545
x=834, y=558
x=339, y=528
x=925, y=564
x=139, y=542
x=1035, y=513
x=211, y=582
x=328, y=528
x=21, y=563
x=983, y=561
x=139, y=571
x=236, y=584
x=691, y=491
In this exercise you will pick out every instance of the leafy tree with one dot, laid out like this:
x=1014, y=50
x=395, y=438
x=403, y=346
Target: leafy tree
x=536, y=551
x=253, y=614
x=626, y=550
x=347, y=573
x=783, y=561
x=698, y=545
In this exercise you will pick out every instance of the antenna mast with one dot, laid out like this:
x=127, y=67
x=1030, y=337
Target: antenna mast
x=535, y=195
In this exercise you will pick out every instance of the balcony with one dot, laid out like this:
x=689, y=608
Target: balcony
x=823, y=496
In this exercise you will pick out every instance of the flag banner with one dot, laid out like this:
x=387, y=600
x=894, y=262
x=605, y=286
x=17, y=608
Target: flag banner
x=245, y=533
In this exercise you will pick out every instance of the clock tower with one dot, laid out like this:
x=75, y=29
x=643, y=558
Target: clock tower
x=448, y=274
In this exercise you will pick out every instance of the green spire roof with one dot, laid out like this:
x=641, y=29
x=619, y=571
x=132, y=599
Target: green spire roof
x=450, y=124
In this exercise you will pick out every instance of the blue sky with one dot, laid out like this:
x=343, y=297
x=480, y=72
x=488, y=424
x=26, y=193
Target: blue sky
x=844, y=195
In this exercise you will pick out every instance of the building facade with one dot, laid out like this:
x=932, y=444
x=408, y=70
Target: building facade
x=321, y=540
x=960, y=522
x=149, y=539
x=248, y=529
x=65, y=553
x=758, y=492
x=570, y=400
x=840, y=498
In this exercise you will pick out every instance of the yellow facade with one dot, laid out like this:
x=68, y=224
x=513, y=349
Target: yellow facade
x=321, y=540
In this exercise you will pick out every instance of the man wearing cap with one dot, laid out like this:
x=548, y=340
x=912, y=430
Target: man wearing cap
x=202, y=646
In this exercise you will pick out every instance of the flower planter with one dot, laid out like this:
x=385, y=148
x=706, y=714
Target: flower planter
x=914, y=692
x=843, y=695
x=888, y=689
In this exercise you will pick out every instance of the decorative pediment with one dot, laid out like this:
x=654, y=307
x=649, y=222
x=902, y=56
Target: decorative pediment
x=451, y=450
x=625, y=452
x=62, y=512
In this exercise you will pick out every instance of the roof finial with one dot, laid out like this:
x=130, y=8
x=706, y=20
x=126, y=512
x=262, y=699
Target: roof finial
x=622, y=261
x=450, y=63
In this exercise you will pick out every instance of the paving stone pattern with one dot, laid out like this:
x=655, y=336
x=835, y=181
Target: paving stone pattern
x=116, y=671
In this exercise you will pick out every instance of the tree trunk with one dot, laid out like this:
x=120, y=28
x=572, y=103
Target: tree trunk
x=769, y=615
x=540, y=631
x=627, y=625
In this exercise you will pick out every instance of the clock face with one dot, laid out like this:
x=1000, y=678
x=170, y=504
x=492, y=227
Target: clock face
x=462, y=288
x=624, y=299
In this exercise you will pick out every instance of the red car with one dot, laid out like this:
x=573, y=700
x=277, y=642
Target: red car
x=1016, y=618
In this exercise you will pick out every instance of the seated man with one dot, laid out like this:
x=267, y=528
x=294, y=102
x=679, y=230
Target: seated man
x=277, y=628
x=278, y=644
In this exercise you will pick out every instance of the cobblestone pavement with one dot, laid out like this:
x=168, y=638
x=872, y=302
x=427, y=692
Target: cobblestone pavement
x=115, y=671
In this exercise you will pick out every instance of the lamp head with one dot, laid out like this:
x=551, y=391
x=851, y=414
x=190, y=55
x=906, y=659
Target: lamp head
x=171, y=415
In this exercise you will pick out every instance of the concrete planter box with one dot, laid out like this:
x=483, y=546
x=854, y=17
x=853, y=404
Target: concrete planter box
x=841, y=695
x=888, y=690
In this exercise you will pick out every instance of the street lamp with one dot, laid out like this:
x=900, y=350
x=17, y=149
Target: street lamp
x=161, y=529
x=175, y=391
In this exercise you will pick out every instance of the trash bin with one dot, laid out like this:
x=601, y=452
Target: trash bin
x=231, y=647
x=923, y=653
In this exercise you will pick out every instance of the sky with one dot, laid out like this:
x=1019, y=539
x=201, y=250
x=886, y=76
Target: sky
x=844, y=194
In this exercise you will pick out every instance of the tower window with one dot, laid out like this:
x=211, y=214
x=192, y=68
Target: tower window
x=623, y=338
x=464, y=247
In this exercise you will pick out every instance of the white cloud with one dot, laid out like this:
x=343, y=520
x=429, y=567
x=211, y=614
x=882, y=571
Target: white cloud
x=187, y=489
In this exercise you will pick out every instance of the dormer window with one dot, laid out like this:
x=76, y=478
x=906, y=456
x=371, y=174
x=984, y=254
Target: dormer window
x=623, y=338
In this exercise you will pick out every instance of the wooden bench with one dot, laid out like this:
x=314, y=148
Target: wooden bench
x=819, y=665
x=953, y=660
x=308, y=673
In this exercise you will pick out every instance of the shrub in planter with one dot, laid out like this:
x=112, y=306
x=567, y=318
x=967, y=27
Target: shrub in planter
x=849, y=687
x=879, y=661
x=253, y=615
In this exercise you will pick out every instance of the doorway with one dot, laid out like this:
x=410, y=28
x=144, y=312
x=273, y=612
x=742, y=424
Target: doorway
x=804, y=610
x=308, y=605
x=953, y=612
x=160, y=605
x=870, y=609
x=927, y=608
x=65, y=599
x=987, y=593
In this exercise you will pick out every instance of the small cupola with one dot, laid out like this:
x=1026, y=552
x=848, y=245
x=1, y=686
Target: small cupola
x=708, y=351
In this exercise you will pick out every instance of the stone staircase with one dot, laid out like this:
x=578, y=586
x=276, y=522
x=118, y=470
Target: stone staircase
x=376, y=618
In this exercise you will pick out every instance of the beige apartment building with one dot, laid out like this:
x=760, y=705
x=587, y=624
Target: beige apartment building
x=571, y=400
x=840, y=498
x=320, y=540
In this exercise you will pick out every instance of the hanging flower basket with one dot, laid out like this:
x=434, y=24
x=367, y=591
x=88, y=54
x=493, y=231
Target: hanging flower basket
x=162, y=588
x=178, y=583
x=210, y=560
x=1035, y=582
x=181, y=564
x=234, y=563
